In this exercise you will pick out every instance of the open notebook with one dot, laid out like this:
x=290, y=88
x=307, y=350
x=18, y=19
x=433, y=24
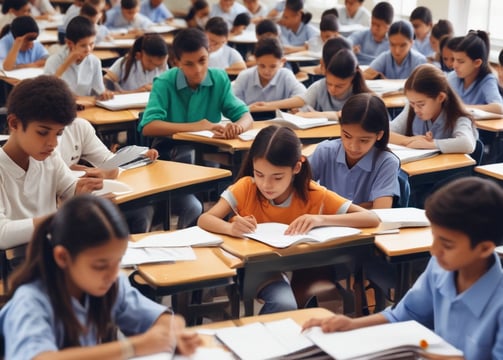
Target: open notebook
x=192, y=236
x=125, y=101
x=128, y=157
x=298, y=122
x=396, y=218
x=406, y=154
x=386, y=87
x=25, y=73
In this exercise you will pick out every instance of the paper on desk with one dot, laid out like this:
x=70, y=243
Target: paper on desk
x=204, y=133
x=249, y=135
x=202, y=353
x=191, y=236
x=136, y=256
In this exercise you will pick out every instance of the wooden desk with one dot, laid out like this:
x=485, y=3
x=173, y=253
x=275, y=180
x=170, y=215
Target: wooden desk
x=490, y=133
x=494, y=171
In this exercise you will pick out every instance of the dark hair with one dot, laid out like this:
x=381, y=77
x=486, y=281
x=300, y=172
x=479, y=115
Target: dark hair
x=401, y=27
x=329, y=22
x=268, y=46
x=280, y=146
x=218, y=26
x=88, y=10
x=83, y=222
x=470, y=205
x=13, y=4
x=441, y=44
x=266, y=26
x=296, y=6
x=384, y=11
x=23, y=25
x=79, y=28
x=44, y=98
x=332, y=11
x=196, y=6
x=476, y=46
x=150, y=44
x=370, y=113
x=344, y=65
x=129, y=4
x=442, y=28
x=452, y=43
x=500, y=57
x=242, y=19
x=332, y=46
x=430, y=81
x=423, y=14
x=188, y=41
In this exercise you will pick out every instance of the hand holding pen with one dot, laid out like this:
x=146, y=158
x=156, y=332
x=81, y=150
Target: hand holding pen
x=242, y=224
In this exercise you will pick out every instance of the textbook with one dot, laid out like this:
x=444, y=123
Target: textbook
x=484, y=115
x=396, y=218
x=125, y=101
x=128, y=157
x=137, y=256
x=273, y=234
x=386, y=87
x=407, y=155
x=296, y=122
x=192, y=236
x=24, y=73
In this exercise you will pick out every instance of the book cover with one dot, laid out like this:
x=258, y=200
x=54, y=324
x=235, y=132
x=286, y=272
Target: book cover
x=127, y=157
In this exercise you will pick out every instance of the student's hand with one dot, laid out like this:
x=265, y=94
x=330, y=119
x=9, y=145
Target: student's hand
x=76, y=55
x=146, y=87
x=421, y=142
x=303, y=224
x=106, y=95
x=243, y=225
x=86, y=185
x=39, y=63
x=102, y=173
x=331, y=324
x=356, y=49
x=257, y=106
x=232, y=130
x=152, y=154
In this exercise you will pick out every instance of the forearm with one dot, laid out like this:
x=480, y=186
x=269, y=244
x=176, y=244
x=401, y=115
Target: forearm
x=293, y=102
x=9, y=62
x=63, y=67
x=354, y=219
x=398, y=139
x=245, y=121
x=371, y=320
x=214, y=224
x=493, y=107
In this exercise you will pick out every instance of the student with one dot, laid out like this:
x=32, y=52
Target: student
x=240, y=23
x=329, y=28
x=20, y=48
x=155, y=10
x=70, y=298
x=422, y=21
x=500, y=68
x=71, y=12
x=401, y=59
x=93, y=13
x=144, y=61
x=222, y=56
x=359, y=166
x=447, y=47
x=256, y=10
x=325, y=98
x=330, y=48
x=268, y=80
x=127, y=17
x=295, y=28
x=11, y=9
x=354, y=12
x=42, y=9
x=198, y=14
x=443, y=28
x=459, y=294
x=274, y=184
x=75, y=64
x=266, y=28
x=472, y=77
x=227, y=10
x=33, y=177
x=434, y=116
x=367, y=44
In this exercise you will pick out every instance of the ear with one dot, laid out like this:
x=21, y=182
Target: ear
x=380, y=134
x=297, y=167
x=442, y=96
x=477, y=62
x=283, y=61
x=13, y=122
x=61, y=256
x=486, y=248
x=137, y=55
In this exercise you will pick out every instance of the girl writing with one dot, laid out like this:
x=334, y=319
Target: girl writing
x=434, y=116
x=295, y=28
x=68, y=299
x=144, y=61
x=274, y=185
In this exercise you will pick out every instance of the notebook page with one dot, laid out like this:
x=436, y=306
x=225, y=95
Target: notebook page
x=191, y=236
x=288, y=333
x=135, y=256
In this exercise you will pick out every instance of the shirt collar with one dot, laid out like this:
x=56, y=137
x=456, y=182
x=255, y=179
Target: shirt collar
x=365, y=162
x=181, y=81
x=256, y=79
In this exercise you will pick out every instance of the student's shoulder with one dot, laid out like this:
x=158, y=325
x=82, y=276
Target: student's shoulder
x=417, y=55
x=328, y=147
x=30, y=297
x=218, y=76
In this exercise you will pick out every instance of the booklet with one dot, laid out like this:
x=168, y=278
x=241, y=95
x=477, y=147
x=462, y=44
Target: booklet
x=273, y=234
x=407, y=155
x=396, y=218
x=113, y=187
x=137, y=256
x=125, y=101
x=296, y=122
x=128, y=157
x=386, y=87
x=192, y=236
x=24, y=73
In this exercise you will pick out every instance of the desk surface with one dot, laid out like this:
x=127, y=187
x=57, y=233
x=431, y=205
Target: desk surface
x=438, y=163
x=495, y=125
x=100, y=116
x=492, y=170
x=408, y=241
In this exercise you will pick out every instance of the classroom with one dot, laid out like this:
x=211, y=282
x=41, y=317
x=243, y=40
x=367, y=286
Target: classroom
x=251, y=179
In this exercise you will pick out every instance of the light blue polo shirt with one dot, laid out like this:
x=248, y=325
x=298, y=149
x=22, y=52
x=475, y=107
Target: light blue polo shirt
x=158, y=14
x=369, y=48
x=283, y=85
x=137, y=76
x=304, y=33
x=229, y=17
x=115, y=20
x=374, y=176
x=423, y=46
x=386, y=64
x=37, y=52
x=480, y=92
x=318, y=97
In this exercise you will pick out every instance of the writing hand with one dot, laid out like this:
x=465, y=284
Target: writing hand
x=243, y=225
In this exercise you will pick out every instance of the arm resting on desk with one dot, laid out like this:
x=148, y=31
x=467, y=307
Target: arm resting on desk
x=293, y=102
x=344, y=323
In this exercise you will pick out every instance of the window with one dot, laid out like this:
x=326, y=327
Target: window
x=403, y=8
x=487, y=15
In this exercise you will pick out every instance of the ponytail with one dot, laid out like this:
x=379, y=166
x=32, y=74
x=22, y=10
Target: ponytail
x=130, y=58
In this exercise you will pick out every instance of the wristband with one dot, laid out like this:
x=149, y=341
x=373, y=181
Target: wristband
x=127, y=349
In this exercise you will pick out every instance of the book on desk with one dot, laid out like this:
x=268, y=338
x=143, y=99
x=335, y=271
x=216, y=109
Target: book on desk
x=128, y=157
x=386, y=87
x=479, y=114
x=125, y=101
x=396, y=218
x=407, y=155
x=24, y=73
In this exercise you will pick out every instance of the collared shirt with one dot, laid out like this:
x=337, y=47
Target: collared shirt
x=116, y=21
x=386, y=64
x=369, y=48
x=472, y=321
x=480, y=92
x=362, y=16
x=229, y=17
x=29, y=325
x=318, y=97
x=461, y=139
x=137, y=76
x=37, y=52
x=424, y=46
x=304, y=33
x=70, y=13
x=374, y=176
x=157, y=14
x=224, y=57
x=283, y=85
x=172, y=100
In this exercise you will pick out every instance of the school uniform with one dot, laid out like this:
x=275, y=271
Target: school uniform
x=472, y=321
x=84, y=79
x=304, y=33
x=102, y=33
x=483, y=91
x=137, y=76
x=462, y=138
x=224, y=57
x=262, y=12
x=28, y=194
x=386, y=64
x=29, y=325
x=41, y=7
x=423, y=46
x=318, y=97
x=229, y=17
x=37, y=52
x=158, y=14
x=369, y=48
x=70, y=13
x=362, y=16
x=283, y=85
x=374, y=176
x=116, y=21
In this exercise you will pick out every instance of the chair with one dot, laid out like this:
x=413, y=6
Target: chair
x=478, y=153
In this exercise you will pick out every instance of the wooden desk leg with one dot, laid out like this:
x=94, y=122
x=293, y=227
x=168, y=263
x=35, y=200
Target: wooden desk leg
x=361, y=306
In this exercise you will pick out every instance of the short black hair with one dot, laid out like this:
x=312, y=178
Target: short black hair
x=266, y=26
x=218, y=26
x=129, y=4
x=79, y=28
x=23, y=25
x=423, y=14
x=332, y=11
x=500, y=57
x=242, y=19
x=384, y=11
x=329, y=22
x=44, y=98
x=188, y=41
x=268, y=46
x=88, y=10
x=470, y=205
x=13, y=4
x=332, y=47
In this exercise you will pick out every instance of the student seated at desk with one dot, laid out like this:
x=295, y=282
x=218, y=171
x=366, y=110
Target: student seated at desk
x=42, y=9
x=268, y=80
x=135, y=72
x=227, y=10
x=33, y=176
x=20, y=48
x=222, y=56
x=330, y=48
x=401, y=59
x=329, y=28
x=94, y=14
x=256, y=10
x=354, y=12
x=447, y=47
x=434, y=116
x=459, y=294
x=368, y=44
x=274, y=185
x=11, y=9
x=71, y=12
x=443, y=28
x=198, y=14
x=295, y=28
x=266, y=28
x=75, y=63
x=155, y=10
x=126, y=18
x=69, y=299
x=421, y=19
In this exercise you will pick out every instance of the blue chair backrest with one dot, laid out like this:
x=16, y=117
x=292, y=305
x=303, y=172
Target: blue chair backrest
x=403, y=199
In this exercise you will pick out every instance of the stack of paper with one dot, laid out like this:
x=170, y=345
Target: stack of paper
x=127, y=157
x=386, y=87
x=296, y=122
x=396, y=218
x=125, y=101
x=406, y=154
